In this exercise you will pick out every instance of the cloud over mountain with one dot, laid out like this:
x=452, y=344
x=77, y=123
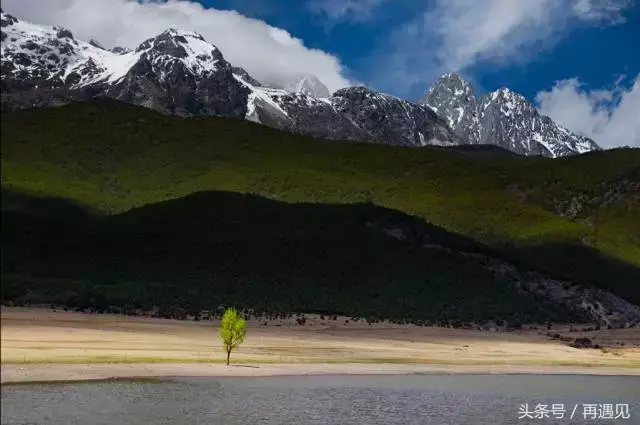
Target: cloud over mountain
x=454, y=35
x=608, y=116
x=268, y=53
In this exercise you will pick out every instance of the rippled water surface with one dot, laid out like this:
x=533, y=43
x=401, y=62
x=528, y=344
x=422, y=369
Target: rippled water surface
x=304, y=400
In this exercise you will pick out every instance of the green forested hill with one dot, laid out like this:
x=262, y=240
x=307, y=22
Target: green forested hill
x=575, y=218
x=213, y=248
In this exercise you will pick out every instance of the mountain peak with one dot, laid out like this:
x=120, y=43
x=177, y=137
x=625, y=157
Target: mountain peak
x=507, y=93
x=53, y=56
x=451, y=86
x=453, y=76
x=450, y=97
x=174, y=42
x=186, y=47
x=310, y=85
x=503, y=118
x=453, y=79
x=174, y=32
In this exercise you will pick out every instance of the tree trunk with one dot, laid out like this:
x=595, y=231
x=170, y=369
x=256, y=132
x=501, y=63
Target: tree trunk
x=228, y=355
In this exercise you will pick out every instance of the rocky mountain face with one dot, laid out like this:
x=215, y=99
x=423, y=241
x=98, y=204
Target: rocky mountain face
x=353, y=113
x=501, y=118
x=179, y=72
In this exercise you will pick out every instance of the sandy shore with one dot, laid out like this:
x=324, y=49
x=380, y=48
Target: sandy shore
x=79, y=372
x=42, y=345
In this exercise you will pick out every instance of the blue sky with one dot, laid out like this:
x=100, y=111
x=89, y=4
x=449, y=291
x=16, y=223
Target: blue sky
x=596, y=51
x=576, y=60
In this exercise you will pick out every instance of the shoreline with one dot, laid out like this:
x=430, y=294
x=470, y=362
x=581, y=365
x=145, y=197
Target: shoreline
x=69, y=373
x=44, y=345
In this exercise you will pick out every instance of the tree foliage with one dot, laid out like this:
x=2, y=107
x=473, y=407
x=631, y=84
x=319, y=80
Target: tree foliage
x=233, y=330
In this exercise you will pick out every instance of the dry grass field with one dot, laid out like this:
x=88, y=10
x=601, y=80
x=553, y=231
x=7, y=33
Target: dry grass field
x=37, y=337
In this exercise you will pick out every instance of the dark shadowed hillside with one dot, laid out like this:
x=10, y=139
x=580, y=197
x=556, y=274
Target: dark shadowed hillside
x=573, y=218
x=217, y=247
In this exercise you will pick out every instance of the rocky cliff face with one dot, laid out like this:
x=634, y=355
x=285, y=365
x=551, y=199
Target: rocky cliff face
x=501, y=118
x=354, y=113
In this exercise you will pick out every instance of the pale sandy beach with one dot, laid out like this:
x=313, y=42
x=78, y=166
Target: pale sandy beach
x=42, y=345
x=84, y=372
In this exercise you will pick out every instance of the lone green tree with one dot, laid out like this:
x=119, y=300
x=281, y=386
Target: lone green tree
x=233, y=330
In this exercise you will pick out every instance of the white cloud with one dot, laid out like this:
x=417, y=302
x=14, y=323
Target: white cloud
x=610, y=117
x=601, y=10
x=269, y=54
x=341, y=10
x=456, y=34
x=488, y=29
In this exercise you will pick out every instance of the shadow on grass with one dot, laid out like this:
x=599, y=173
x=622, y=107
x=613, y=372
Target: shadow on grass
x=209, y=248
x=584, y=265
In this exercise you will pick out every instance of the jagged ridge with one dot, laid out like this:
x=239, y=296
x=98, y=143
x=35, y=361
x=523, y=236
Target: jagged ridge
x=503, y=118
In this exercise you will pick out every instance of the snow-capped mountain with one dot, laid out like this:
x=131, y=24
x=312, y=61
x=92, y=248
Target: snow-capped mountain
x=502, y=118
x=178, y=72
x=309, y=85
x=353, y=113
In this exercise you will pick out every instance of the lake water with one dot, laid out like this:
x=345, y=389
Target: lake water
x=305, y=400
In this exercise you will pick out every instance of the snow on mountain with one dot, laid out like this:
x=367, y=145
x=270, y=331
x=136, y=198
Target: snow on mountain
x=354, y=113
x=389, y=118
x=260, y=99
x=309, y=85
x=503, y=118
x=46, y=54
x=245, y=77
x=175, y=72
x=454, y=100
x=178, y=72
x=54, y=55
x=173, y=47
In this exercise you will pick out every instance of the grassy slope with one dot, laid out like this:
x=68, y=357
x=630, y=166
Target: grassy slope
x=113, y=157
